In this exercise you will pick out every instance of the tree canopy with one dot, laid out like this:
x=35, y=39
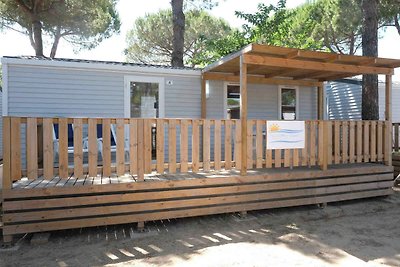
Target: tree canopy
x=151, y=38
x=84, y=24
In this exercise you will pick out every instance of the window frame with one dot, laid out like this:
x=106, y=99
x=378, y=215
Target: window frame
x=296, y=88
x=144, y=79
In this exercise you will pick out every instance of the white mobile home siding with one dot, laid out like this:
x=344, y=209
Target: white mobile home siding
x=263, y=101
x=63, y=92
x=344, y=100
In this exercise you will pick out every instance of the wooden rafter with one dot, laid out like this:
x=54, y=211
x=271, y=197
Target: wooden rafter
x=312, y=65
x=270, y=61
x=257, y=79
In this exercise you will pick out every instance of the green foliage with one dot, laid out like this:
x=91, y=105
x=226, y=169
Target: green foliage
x=82, y=23
x=338, y=25
x=277, y=25
x=150, y=40
x=220, y=47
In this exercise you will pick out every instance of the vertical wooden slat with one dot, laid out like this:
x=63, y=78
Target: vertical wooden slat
x=295, y=162
x=366, y=141
x=337, y=142
x=228, y=145
x=249, y=138
x=321, y=145
x=217, y=145
x=184, y=145
x=259, y=144
x=78, y=153
x=305, y=151
x=7, y=141
x=379, y=141
x=63, y=147
x=278, y=158
x=206, y=145
x=133, y=146
x=373, y=141
x=15, y=148
x=140, y=150
x=31, y=148
x=312, y=143
x=120, y=154
x=268, y=152
x=345, y=142
x=147, y=145
x=352, y=142
x=325, y=135
x=195, y=146
x=48, y=150
x=238, y=145
x=359, y=141
x=330, y=142
x=172, y=146
x=387, y=141
x=92, y=140
x=160, y=146
x=286, y=158
x=106, y=147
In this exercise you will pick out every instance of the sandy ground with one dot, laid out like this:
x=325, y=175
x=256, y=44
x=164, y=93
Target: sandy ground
x=355, y=233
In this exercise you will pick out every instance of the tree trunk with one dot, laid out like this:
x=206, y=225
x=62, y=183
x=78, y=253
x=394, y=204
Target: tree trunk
x=370, y=95
x=57, y=37
x=178, y=22
x=37, y=36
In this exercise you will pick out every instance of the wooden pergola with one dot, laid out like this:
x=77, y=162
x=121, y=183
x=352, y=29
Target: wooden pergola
x=263, y=64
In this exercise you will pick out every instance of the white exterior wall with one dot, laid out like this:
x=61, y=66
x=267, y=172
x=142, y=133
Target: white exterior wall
x=263, y=101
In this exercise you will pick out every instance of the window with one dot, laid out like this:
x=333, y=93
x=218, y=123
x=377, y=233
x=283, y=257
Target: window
x=233, y=101
x=288, y=103
x=143, y=97
x=144, y=100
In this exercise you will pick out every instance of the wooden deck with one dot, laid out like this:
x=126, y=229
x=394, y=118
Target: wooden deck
x=41, y=182
x=39, y=205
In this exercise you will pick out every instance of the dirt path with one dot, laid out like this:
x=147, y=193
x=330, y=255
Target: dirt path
x=357, y=233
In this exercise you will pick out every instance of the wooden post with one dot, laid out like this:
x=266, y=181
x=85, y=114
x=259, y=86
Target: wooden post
x=243, y=114
x=140, y=150
x=320, y=101
x=6, y=153
x=388, y=121
x=203, y=98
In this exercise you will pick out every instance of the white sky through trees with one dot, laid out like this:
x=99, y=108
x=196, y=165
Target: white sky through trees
x=15, y=44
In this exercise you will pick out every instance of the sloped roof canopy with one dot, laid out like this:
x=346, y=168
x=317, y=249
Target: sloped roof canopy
x=270, y=63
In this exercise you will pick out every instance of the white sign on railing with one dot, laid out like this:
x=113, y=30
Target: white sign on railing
x=285, y=134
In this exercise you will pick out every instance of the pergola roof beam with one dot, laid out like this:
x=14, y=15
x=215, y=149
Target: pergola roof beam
x=313, y=65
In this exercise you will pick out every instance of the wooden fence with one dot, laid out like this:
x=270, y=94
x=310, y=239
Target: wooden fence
x=180, y=145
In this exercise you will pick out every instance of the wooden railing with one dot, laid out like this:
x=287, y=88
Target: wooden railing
x=31, y=148
x=396, y=137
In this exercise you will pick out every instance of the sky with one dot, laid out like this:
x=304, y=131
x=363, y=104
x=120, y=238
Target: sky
x=15, y=44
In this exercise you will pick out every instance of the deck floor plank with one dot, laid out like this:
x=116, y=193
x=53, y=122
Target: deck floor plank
x=40, y=182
